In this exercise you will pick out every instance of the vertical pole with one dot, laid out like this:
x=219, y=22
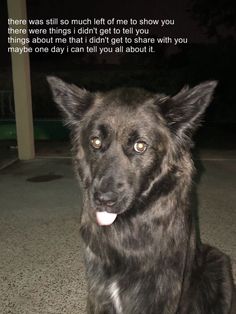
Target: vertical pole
x=22, y=87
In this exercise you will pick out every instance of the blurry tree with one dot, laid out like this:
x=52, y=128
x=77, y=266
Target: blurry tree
x=217, y=16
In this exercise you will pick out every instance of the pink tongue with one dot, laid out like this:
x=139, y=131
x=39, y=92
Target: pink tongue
x=105, y=218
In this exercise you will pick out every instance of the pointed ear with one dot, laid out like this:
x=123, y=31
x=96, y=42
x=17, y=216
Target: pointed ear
x=184, y=111
x=72, y=100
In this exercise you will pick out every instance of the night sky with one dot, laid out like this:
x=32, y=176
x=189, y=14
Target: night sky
x=204, y=57
x=184, y=26
x=178, y=10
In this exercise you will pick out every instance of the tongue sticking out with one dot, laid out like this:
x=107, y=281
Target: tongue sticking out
x=105, y=218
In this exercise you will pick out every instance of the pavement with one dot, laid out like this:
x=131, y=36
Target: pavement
x=41, y=268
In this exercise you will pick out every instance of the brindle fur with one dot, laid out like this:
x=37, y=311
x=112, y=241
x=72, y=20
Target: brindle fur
x=148, y=261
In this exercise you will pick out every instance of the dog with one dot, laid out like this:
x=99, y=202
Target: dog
x=132, y=156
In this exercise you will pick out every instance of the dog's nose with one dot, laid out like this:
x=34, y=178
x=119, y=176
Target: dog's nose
x=105, y=198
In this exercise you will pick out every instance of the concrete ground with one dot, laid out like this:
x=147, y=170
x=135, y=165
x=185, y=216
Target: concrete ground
x=41, y=263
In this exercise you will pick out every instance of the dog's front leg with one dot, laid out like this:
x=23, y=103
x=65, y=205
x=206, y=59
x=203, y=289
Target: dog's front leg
x=95, y=307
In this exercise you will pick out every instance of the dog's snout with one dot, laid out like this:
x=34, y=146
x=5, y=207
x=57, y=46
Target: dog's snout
x=105, y=198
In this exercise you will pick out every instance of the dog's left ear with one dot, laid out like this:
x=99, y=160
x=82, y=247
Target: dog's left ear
x=184, y=111
x=72, y=100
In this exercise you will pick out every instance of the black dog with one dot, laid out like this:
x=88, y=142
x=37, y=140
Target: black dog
x=132, y=155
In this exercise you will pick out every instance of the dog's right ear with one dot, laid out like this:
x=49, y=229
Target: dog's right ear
x=72, y=100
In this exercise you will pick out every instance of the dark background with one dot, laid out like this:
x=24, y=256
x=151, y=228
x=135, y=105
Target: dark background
x=210, y=54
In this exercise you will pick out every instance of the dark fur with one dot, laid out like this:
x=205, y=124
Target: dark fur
x=148, y=261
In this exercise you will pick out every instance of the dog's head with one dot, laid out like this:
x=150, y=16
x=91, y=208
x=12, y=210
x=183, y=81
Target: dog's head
x=126, y=138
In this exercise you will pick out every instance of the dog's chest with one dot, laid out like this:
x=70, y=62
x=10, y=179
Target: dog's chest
x=112, y=288
x=115, y=297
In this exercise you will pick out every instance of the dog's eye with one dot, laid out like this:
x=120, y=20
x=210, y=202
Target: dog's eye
x=96, y=142
x=140, y=147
